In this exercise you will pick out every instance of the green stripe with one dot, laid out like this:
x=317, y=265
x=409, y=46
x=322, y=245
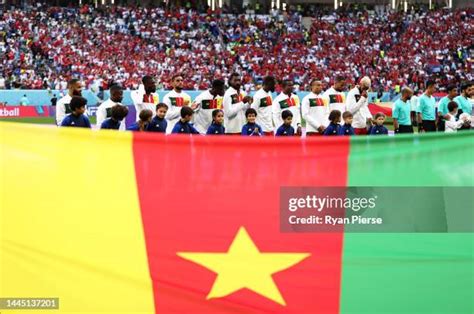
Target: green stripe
x=410, y=272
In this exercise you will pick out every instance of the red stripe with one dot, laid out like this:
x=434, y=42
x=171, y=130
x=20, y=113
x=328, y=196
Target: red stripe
x=181, y=213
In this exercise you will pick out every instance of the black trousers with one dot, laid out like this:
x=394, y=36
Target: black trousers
x=429, y=126
x=441, y=124
x=405, y=129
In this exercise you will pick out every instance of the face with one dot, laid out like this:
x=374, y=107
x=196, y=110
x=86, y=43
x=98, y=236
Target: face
x=178, y=83
x=161, y=112
x=271, y=86
x=80, y=110
x=116, y=95
x=470, y=92
x=431, y=89
x=348, y=120
x=339, y=86
x=76, y=89
x=219, y=119
x=288, y=88
x=188, y=118
x=408, y=95
x=150, y=86
x=380, y=120
x=251, y=118
x=218, y=91
x=235, y=82
x=453, y=93
x=316, y=87
x=288, y=121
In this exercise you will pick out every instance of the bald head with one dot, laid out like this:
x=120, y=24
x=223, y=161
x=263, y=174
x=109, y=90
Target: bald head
x=406, y=93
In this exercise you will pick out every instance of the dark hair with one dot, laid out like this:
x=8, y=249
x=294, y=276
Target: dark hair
x=77, y=102
x=250, y=111
x=234, y=74
x=334, y=115
x=186, y=111
x=378, y=115
x=286, y=82
x=147, y=78
x=347, y=114
x=215, y=112
x=466, y=85
x=217, y=84
x=268, y=80
x=451, y=87
x=115, y=87
x=314, y=80
x=144, y=116
x=161, y=105
x=339, y=78
x=430, y=83
x=452, y=105
x=119, y=112
x=285, y=114
x=175, y=76
x=72, y=82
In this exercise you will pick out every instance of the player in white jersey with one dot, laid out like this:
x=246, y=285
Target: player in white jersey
x=104, y=111
x=235, y=103
x=315, y=110
x=335, y=95
x=175, y=100
x=205, y=104
x=74, y=87
x=145, y=97
x=287, y=100
x=357, y=103
x=262, y=103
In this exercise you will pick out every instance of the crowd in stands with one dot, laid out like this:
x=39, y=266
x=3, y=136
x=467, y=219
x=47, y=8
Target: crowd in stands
x=43, y=47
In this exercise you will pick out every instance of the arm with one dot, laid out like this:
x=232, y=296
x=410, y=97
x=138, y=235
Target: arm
x=101, y=115
x=173, y=111
x=230, y=109
x=87, y=121
x=354, y=106
x=276, y=114
x=60, y=113
x=193, y=130
x=305, y=111
x=65, y=122
x=395, y=115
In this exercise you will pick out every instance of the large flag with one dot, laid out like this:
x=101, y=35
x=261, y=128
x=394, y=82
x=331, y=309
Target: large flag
x=115, y=222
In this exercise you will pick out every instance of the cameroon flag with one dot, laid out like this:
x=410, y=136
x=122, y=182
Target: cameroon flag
x=115, y=222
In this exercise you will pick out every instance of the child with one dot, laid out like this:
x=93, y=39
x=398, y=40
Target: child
x=118, y=113
x=144, y=119
x=347, y=128
x=378, y=128
x=183, y=126
x=334, y=128
x=251, y=128
x=451, y=125
x=286, y=129
x=159, y=123
x=216, y=127
x=77, y=118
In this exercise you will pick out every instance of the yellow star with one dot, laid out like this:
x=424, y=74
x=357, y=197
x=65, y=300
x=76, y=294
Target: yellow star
x=244, y=266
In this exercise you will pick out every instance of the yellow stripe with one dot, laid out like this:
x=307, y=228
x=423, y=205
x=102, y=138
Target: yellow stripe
x=70, y=224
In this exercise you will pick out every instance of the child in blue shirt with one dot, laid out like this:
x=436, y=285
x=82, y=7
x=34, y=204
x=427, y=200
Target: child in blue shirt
x=183, y=126
x=286, y=129
x=77, y=118
x=118, y=113
x=378, y=128
x=216, y=127
x=347, y=128
x=334, y=128
x=142, y=124
x=158, y=123
x=251, y=128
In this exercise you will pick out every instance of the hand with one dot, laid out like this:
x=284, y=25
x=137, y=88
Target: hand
x=255, y=131
x=298, y=130
x=369, y=121
x=194, y=106
x=364, y=94
x=321, y=129
x=247, y=99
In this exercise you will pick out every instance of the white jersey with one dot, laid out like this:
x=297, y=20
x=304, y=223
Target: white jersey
x=336, y=100
x=143, y=101
x=262, y=103
x=451, y=125
x=284, y=102
x=234, y=110
x=175, y=101
x=63, y=109
x=104, y=111
x=359, y=107
x=315, y=111
x=206, y=103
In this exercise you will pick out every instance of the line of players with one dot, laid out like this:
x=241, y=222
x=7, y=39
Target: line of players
x=315, y=108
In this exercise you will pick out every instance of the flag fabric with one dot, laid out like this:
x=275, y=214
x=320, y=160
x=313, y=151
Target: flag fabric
x=266, y=101
x=116, y=222
x=385, y=108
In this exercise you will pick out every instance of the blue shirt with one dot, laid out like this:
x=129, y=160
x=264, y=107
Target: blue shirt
x=427, y=107
x=76, y=121
x=110, y=124
x=157, y=125
x=184, y=128
x=346, y=129
x=285, y=130
x=249, y=128
x=401, y=112
x=215, y=129
x=378, y=130
x=134, y=127
x=333, y=129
